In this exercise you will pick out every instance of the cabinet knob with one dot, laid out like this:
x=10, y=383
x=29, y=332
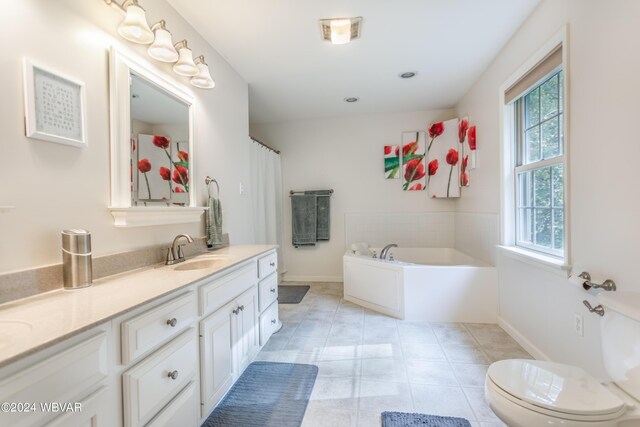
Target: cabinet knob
x=273, y=290
x=236, y=311
x=241, y=308
x=172, y=322
x=173, y=375
x=273, y=321
x=272, y=264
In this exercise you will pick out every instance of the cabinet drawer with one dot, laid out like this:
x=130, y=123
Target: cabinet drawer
x=267, y=265
x=219, y=292
x=268, y=291
x=268, y=323
x=148, y=386
x=182, y=411
x=64, y=377
x=92, y=412
x=152, y=328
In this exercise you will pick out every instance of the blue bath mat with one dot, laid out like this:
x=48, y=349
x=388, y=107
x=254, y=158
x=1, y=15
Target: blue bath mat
x=405, y=419
x=267, y=394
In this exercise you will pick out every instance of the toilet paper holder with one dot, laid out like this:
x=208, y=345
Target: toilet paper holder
x=607, y=285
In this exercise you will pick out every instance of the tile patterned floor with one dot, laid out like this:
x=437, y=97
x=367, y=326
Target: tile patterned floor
x=369, y=363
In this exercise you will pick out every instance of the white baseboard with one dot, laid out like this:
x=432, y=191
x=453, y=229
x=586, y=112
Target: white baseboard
x=291, y=278
x=520, y=339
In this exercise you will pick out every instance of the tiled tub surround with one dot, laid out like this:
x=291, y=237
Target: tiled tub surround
x=54, y=316
x=22, y=284
x=369, y=363
x=412, y=230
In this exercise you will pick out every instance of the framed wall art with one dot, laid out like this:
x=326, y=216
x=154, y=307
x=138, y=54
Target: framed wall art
x=54, y=106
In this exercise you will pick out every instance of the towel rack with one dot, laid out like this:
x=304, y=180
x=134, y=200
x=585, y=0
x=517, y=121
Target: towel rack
x=292, y=192
x=208, y=180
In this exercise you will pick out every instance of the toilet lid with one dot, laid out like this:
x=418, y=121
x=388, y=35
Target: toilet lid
x=553, y=386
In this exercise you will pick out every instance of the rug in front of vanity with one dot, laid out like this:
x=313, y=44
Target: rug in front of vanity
x=267, y=394
x=405, y=419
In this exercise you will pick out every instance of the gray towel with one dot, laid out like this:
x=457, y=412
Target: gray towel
x=323, y=225
x=213, y=222
x=304, y=219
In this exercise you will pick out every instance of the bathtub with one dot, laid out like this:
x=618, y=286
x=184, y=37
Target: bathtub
x=432, y=284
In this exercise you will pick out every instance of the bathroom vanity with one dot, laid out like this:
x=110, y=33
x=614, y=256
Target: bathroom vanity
x=155, y=346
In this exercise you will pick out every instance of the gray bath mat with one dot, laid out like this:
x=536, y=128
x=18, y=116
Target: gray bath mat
x=291, y=294
x=267, y=394
x=405, y=419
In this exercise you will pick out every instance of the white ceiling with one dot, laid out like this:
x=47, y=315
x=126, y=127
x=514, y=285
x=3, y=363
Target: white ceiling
x=293, y=75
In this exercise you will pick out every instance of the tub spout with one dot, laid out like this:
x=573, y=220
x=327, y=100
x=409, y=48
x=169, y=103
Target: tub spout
x=385, y=250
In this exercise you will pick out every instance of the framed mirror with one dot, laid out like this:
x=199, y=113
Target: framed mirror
x=152, y=154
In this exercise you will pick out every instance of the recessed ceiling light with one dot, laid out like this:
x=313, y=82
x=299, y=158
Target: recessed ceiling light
x=352, y=99
x=408, y=74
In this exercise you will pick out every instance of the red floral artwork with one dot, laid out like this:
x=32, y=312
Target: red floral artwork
x=416, y=186
x=144, y=165
x=178, y=190
x=165, y=173
x=452, y=159
x=181, y=175
x=472, y=137
x=161, y=141
x=464, y=179
x=452, y=156
x=409, y=148
x=436, y=129
x=462, y=130
x=183, y=156
x=433, y=167
x=414, y=170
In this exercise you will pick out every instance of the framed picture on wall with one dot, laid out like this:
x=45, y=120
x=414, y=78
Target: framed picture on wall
x=54, y=106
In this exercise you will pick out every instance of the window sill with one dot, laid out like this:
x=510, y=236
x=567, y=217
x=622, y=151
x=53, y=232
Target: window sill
x=160, y=215
x=551, y=264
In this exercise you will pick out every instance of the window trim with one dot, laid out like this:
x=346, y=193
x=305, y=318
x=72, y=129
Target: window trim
x=509, y=155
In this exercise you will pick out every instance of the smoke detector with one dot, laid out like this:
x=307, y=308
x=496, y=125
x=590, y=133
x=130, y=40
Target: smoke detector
x=340, y=30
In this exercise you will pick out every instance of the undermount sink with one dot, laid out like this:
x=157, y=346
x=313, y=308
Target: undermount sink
x=17, y=327
x=200, y=264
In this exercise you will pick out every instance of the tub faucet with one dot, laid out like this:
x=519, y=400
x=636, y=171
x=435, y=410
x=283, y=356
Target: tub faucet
x=174, y=253
x=385, y=250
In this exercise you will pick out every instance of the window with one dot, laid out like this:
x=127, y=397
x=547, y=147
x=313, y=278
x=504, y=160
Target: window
x=539, y=166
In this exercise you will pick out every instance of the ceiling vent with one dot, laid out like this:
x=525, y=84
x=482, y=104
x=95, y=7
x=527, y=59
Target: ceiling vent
x=340, y=30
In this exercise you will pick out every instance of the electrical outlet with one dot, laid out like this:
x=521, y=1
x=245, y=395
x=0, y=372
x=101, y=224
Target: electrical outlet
x=578, y=324
x=241, y=189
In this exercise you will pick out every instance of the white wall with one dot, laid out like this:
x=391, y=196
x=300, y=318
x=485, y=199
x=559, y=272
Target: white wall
x=54, y=186
x=603, y=145
x=346, y=155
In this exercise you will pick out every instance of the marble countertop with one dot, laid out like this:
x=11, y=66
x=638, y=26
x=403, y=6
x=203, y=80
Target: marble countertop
x=32, y=324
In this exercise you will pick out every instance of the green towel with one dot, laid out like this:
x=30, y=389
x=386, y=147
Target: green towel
x=323, y=208
x=303, y=220
x=213, y=222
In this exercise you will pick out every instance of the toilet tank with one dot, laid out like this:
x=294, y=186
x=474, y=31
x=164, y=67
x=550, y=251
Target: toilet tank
x=620, y=338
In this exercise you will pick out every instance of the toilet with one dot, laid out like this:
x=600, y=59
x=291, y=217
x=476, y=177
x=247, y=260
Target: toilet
x=532, y=393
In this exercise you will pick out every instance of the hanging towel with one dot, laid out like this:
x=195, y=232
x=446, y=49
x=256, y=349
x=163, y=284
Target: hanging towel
x=213, y=222
x=323, y=223
x=304, y=219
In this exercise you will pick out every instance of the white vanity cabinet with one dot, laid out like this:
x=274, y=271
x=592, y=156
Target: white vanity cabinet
x=154, y=363
x=73, y=372
x=229, y=337
x=268, y=292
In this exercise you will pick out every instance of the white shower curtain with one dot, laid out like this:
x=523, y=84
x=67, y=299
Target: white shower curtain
x=266, y=196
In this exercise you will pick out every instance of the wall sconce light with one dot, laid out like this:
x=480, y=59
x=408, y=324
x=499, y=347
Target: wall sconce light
x=340, y=30
x=134, y=27
x=185, y=65
x=162, y=48
x=203, y=79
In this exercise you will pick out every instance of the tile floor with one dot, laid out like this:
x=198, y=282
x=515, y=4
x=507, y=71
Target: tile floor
x=369, y=363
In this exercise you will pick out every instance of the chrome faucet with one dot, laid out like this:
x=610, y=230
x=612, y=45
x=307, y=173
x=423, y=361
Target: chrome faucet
x=174, y=253
x=385, y=250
